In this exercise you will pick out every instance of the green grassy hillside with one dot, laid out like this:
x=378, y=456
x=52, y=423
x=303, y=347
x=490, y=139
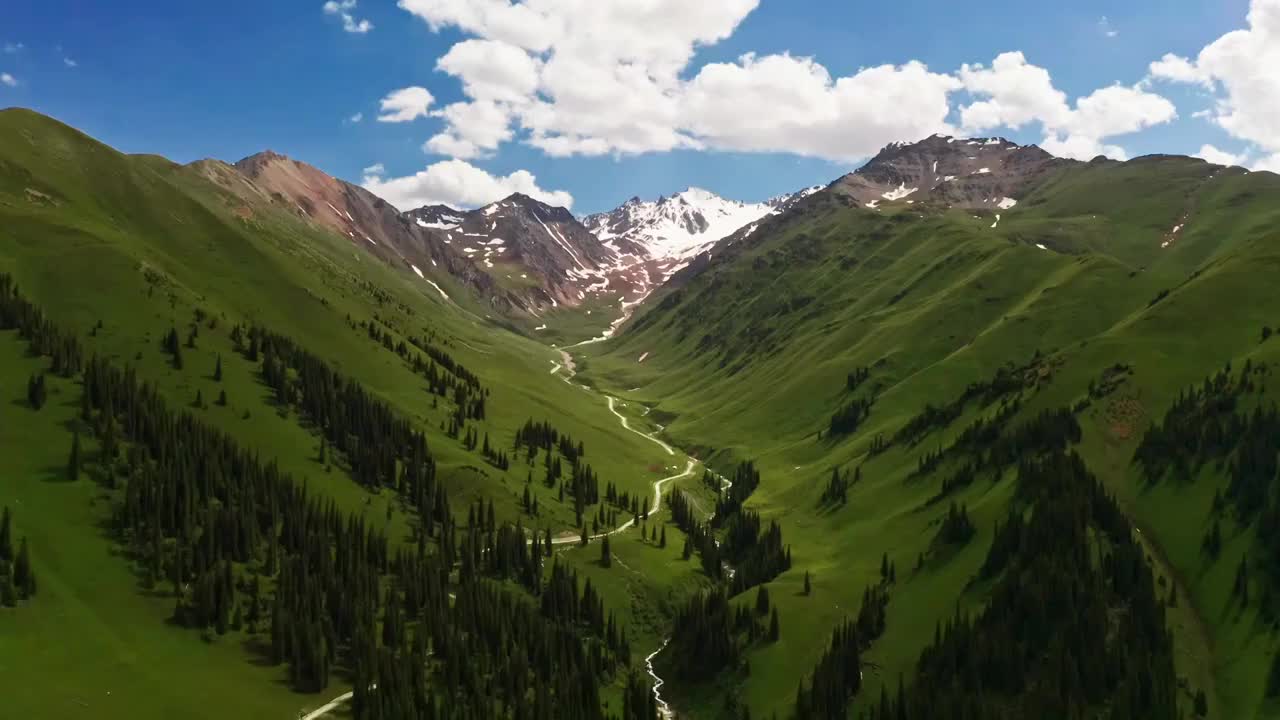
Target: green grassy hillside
x=874, y=343
x=123, y=249
x=1162, y=264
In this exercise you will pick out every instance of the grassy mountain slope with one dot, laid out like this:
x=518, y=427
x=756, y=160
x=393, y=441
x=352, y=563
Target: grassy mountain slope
x=1161, y=263
x=122, y=249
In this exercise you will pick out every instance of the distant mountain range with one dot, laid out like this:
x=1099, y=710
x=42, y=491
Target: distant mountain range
x=524, y=258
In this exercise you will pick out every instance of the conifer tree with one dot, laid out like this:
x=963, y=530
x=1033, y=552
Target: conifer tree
x=1273, y=677
x=6, y=537
x=23, y=576
x=808, y=586
x=606, y=558
x=217, y=369
x=662, y=541
x=762, y=600
x=773, y=625
x=36, y=391
x=73, y=461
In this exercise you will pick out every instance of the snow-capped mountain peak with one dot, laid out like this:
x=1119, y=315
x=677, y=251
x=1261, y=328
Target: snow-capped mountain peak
x=679, y=226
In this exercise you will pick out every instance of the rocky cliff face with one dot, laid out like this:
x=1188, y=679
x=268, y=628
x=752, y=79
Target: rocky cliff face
x=368, y=221
x=970, y=173
x=527, y=244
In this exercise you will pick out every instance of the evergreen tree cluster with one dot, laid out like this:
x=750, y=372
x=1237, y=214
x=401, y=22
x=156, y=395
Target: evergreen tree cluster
x=44, y=338
x=446, y=378
x=856, y=378
x=372, y=437
x=710, y=634
x=446, y=361
x=987, y=446
x=835, y=680
x=1226, y=421
x=638, y=701
x=926, y=421
x=956, y=528
x=1209, y=423
x=872, y=614
x=247, y=549
x=173, y=346
x=535, y=436
x=437, y=366
x=583, y=485
x=746, y=478
x=699, y=536
x=1007, y=381
x=1074, y=625
x=850, y=416
x=836, y=491
x=496, y=457
x=962, y=478
x=17, y=577
x=756, y=553
x=1111, y=379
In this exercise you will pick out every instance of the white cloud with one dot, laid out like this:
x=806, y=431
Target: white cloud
x=69, y=62
x=343, y=8
x=474, y=129
x=1119, y=110
x=459, y=184
x=450, y=145
x=789, y=104
x=586, y=77
x=356, y=118
x=1081, y=147
x=1220, y=157
x=492, y=70
x=1019, y=93
x=1239, y=68
x=7, y=79
x=375, y=169
x=405, y=104
x=13, y=48
x=579, y=76
x=1104, y=27
x=516, y=24
x=1270, y=163
x=1178, y=69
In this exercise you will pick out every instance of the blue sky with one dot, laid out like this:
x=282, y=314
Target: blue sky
x=225, y=80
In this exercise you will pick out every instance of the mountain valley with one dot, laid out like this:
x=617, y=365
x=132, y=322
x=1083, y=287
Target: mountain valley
x=970, y=431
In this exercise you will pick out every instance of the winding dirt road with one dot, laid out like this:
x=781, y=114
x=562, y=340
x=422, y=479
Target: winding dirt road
x=327, y=707
x=657, y=505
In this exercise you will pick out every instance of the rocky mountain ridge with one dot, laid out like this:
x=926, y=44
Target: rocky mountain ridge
x=524, y=257
x=971, y=173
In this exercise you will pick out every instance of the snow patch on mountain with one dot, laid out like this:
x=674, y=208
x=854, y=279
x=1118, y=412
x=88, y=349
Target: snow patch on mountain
x=898, y=193
x=680, y=226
